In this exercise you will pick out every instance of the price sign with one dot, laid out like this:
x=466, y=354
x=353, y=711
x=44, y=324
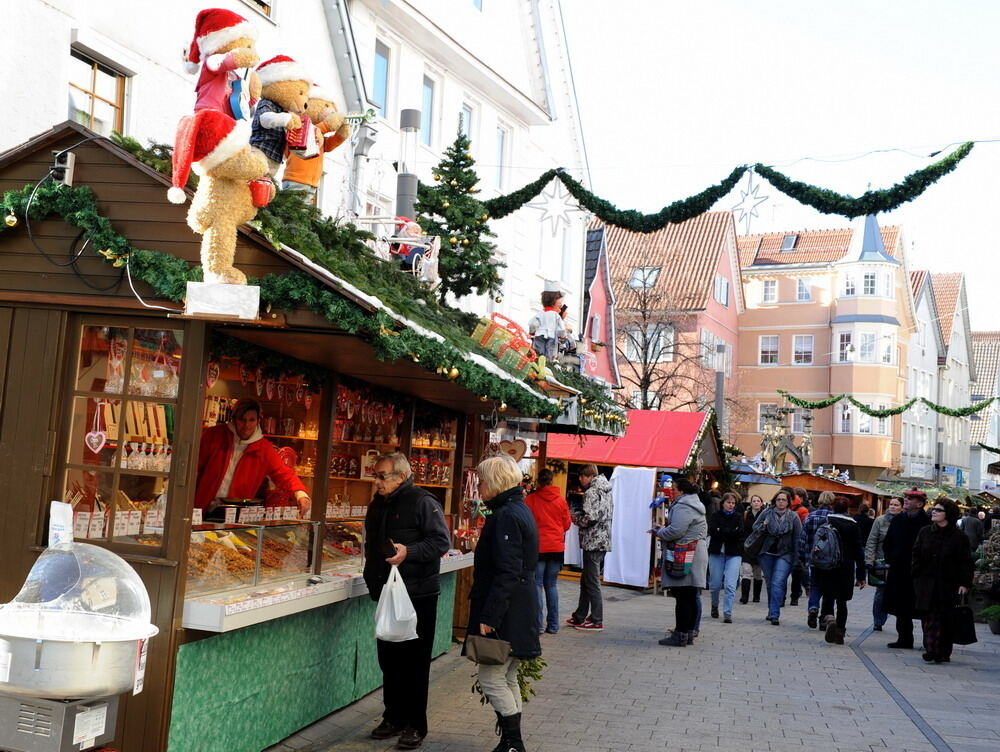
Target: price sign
x=195, y=517
x=134, y=522
x=230, y=515
x=96, y=529
x=121, y=524
x=81, y=526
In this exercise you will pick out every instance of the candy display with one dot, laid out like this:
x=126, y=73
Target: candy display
x=343, y=549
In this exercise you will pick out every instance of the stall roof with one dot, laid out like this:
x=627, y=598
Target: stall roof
x=654, y=438
x=813, y=482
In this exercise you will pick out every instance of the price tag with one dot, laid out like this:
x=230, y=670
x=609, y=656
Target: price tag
x=140, y=666
x=81, y=527
x=96, y=529
x=291, y=513
x=230, y=515
x=246, y=514
x=121, y=524
x=358, y=511
x=195, y=516
x=134, y=522
x=269, y=513
x=330, y=511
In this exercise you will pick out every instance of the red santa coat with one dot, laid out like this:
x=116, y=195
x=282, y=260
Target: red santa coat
x=551, y=516
x=260, y=460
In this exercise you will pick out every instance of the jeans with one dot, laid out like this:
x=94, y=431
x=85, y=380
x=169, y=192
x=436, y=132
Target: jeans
x=878, y=614
x=687, y=598
x=406, y=668
x=590, y=588
x=814, y=593
x=724, y=570
x=546, y=572
x=776, y=571
x=500, y=686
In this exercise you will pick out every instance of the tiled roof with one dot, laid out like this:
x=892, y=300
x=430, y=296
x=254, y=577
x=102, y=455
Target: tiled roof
x=811, y=246
x=947, y=289
x=986, y=354
x=917, y=279
x=687, y=254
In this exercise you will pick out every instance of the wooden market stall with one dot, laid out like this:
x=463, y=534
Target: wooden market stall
x=855, y=492
x=105, y=394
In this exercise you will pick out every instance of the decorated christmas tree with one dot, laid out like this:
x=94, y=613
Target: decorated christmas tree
x=450, y=210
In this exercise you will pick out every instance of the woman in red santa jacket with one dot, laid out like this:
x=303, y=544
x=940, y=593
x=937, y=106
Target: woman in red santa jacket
x=551, y=515
x=234, y=458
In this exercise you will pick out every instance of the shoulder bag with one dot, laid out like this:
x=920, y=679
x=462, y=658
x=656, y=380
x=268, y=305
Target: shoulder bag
x=963, y=624
x=487, y=651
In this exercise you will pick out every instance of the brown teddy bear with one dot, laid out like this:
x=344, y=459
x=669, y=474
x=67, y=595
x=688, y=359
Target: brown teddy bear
x=223, y=45
x=332, y=130
x=217, y=148
x=284, y=95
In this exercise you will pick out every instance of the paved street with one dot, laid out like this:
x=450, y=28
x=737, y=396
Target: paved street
x=743, y=687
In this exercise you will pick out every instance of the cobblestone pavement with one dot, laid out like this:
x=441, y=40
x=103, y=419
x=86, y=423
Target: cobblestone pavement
x=744, y=687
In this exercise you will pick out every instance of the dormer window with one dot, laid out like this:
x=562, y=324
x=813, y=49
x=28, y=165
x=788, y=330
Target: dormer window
x=788, y=242
x=643, y=277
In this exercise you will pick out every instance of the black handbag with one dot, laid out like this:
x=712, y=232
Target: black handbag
x=487, y=651
x=963, y=624
x=877, y=573
x=754, y=543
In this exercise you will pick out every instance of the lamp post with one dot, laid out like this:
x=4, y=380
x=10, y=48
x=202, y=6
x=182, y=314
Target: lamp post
x=406, y=178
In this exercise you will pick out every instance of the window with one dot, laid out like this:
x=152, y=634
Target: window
x=788, y=242
x=262, y=6
x=96, y=95
x=642, y=399
x=883, y=423
x=770, y=294
x=845, y=347
x=596, y=332
x=465, y=121
x=763, y=409
x=427, y=112
x=643, y=277
x=888, y=346
x=802, y=289
x=722, y=290
x=803, y=349
x=869, y=281
x=864, y=423
x=652, y=343
x=503, y=135
x=866, y=347
x=768, y=354
x=885, y=285
x=849, y=288
x=798, y=420
x=380, y=90
x=845, y=418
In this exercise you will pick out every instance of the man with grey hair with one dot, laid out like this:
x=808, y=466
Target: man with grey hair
x=405, y=527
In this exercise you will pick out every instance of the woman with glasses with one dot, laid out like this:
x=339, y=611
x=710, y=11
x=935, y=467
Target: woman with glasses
x=942, y=571
x=781, y=527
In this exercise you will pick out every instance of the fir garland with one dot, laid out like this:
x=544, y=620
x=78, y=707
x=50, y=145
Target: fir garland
x=875, y=413
x=501, y=206
x=988, y=448
x=809, y=405
x=598, y=409
x=871, y=202
x=960, y=412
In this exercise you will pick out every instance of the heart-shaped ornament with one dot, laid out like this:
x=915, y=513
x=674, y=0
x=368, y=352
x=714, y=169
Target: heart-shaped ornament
x=300, y=392
x=307, y=400
x=212, y=375
x=95, y=441
x=245, y=375
x=515, y=449
x=269, y=388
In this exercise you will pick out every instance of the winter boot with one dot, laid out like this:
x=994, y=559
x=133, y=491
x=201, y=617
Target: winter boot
x=831, y=632
x=745, y=591
x=838, y=638
x=676, y=639
x=813, y=617
x=511, y=733
x=757, y=585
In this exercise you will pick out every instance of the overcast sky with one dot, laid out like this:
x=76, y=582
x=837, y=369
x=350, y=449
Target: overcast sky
x=674, y=93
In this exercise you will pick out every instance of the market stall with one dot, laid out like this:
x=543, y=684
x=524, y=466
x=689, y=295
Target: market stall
x=855, y=492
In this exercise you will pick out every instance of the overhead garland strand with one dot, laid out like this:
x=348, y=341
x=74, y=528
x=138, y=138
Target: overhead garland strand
x=960, y=412
x=981, y=445
x=821, y=199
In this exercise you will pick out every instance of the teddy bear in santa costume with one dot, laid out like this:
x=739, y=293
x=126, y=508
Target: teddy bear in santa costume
x=223, y=48
x=282, y=108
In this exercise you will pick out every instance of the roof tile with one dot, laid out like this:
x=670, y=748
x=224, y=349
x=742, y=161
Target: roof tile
x=811, y=246
x=947, y=290
x=986, y=354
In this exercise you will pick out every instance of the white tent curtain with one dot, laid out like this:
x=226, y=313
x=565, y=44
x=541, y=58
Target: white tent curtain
x=628, y=561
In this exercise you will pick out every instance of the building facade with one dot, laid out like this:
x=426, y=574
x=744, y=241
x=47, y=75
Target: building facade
x=828, y=312
x=984, y=428
x=920, y=424
x=956, y=370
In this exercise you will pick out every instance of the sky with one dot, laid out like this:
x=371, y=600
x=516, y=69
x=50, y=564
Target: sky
x=673, y=94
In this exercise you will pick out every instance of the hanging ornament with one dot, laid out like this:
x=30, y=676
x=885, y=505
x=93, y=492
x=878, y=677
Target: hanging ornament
x=269, y=386
x=465, y=241
x=453, y=240
x=10, y=220
x=307, y=400
x=445, y=204
x=281, y=390
x=300, y=393
x=96, y=438
x=453, y=182
x=484, y=398
x=212, y=374
x=437, y=176
x=485, y=217
x=245, y=375
x=502, y=406
x=415, y=357
x=453, y=373
x=498, y=299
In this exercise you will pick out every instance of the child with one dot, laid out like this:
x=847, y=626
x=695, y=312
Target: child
x=547, y=328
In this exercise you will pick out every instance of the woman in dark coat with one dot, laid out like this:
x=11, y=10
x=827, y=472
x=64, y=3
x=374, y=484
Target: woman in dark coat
x=942, y=571
x=898, y=549
x=503, y=600
x=726, y=532
x=750, y=569
x=837, y=585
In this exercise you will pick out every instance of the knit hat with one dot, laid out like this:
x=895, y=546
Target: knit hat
x=318, y=92
x=281, y=68
x=204, y=141
x=213, y=29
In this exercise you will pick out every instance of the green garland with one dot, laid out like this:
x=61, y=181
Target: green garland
x=871, y=202
x=988, y=448
x=809, y=405
x=961, y=412
x=874, y=413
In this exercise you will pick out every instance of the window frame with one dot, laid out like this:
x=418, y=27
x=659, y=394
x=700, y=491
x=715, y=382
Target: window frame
x=850, y=286
x=428, y=131
x=467, y=124
x=635, y=339
x=722, y=290
x=867, y=341
x=869, y=284
x=382, y=109
x=502, y=152
x=121, y=86
x=769, y=285
x=797, y=349
x=760, y=349
x=846, y=418
x=644, y=277
x=845, y=341
x=803, y=289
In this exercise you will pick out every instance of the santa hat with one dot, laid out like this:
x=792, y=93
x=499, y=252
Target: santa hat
x=204, y=141
x=318, y=92
x=213, y=29
x=281, y=68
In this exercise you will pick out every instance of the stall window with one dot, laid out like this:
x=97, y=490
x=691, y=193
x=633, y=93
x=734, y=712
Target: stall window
x=96, y=95
x=122, y=409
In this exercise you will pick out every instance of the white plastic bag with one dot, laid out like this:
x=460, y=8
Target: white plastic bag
x=395, y=617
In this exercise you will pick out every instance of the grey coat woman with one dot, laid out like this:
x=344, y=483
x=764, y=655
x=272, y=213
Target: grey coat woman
x=687, y=523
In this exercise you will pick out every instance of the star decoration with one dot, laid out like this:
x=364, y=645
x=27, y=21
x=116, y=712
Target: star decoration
x=746, y=209
x=554, y=202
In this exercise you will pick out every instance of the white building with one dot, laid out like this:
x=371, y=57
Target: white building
x=956, y=370
x=919, y=450
x=984, y=427
x=118, y=65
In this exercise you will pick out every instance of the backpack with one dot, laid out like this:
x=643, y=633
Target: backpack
x=826, y=550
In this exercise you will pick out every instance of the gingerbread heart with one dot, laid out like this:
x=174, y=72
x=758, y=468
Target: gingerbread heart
x=95, y=441
x=515, y=449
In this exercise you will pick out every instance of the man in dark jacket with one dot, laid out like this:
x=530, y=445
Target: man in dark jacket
x=898, y=549
x=405, y=527
x=973, y=528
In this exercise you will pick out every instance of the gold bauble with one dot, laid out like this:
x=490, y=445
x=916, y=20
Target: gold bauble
x=453, y=240
x=484, y=398
x=498, y=299
x=453, y=373
x=453, y=182
x=437, y=177
x=10, y=220
x=502, y=406
x=445, y=204
x=485, y=217
x=583, y=400
x=441, y=370
x=548, y=417
x=416, y=358
x=465, y=241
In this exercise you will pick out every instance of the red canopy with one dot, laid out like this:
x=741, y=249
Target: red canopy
x=654, y=438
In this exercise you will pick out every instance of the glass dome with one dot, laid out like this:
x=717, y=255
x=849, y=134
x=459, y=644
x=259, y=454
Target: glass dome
x=79, y=593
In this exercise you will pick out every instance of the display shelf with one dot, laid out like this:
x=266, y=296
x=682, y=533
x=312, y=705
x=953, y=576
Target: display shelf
x=433, y=448
x=281, y=436
x=433, y=485
x=121, y=470
x=344, y=477
x=365, y=443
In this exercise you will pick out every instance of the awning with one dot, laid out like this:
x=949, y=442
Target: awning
x=654, y=438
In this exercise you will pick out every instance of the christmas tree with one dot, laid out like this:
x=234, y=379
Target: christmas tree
x=451, y=211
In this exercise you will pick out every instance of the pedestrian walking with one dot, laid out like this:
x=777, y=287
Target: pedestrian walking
x=781, y=528
x=942, y=571
x=551, y=514
x=972, y=526
x=865, y=522
x=800, y=573
x=875, y=559
x=898, y=548
x=405, y=527
x=593, y=517
x=503, y=600
x=750, y=570
x=816, y=518
x=837, y=583
x=725, y=554
x=687, y=524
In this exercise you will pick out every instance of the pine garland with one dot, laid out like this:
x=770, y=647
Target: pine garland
x=810, y=405
x=871, y=202
x=884, y=413
x=961, y=412
x=988, y=448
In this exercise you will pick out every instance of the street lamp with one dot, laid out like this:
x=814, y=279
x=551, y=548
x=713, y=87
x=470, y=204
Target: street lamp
x=406, y=178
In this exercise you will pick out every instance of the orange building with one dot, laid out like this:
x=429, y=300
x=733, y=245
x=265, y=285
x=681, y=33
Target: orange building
x=827, y=312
